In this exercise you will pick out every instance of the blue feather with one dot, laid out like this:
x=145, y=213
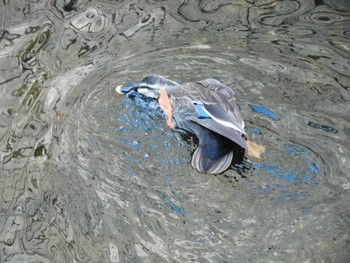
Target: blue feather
x=201, y=112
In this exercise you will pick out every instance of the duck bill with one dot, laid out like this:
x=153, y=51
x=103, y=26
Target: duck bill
x=124, y=89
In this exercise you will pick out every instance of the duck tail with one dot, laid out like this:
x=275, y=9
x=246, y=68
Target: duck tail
x=206, y=165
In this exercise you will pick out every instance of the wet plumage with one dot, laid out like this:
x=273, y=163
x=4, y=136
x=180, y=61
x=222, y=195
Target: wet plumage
x=206, y=109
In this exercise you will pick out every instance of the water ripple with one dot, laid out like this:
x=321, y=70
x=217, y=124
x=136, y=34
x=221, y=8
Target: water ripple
x=325, y=16
x=91, y=176
x=91, y=21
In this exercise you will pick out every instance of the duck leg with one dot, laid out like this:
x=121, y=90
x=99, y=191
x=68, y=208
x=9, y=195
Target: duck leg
x=255, y=150
x=165, y=105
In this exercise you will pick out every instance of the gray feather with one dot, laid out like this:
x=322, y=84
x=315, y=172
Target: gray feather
x=218, y=100
x=228, y=132
x=206, y=165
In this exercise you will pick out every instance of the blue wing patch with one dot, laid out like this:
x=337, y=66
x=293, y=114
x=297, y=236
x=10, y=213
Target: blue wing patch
x=201, y=113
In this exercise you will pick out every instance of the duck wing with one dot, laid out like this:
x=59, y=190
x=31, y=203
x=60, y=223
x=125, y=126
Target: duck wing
x=212, y=105
x=225, y=108
x=227, y=132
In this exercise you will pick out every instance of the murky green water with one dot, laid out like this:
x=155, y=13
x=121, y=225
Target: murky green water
x=90, y=176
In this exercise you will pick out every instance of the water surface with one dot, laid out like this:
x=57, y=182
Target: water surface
x=91, y=176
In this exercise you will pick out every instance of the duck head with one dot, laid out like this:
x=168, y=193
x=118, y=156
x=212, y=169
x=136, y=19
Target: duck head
x=149, y=86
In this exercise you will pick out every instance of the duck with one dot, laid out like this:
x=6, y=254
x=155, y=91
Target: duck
x=206, y=109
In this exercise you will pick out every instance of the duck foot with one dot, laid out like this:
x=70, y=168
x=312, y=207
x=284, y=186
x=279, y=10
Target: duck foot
x=255, y=150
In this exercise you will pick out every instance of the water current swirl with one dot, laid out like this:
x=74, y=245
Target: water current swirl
x=91, y=176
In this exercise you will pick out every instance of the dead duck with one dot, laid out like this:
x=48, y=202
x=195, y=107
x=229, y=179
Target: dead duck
x=207, y=109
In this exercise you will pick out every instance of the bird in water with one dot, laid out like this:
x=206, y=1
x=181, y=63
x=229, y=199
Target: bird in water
x=207, y=109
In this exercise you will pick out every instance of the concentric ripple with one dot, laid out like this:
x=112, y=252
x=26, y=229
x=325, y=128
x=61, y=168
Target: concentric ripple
x=89, y=175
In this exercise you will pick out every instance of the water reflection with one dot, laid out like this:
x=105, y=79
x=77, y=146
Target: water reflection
x=89, y=176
